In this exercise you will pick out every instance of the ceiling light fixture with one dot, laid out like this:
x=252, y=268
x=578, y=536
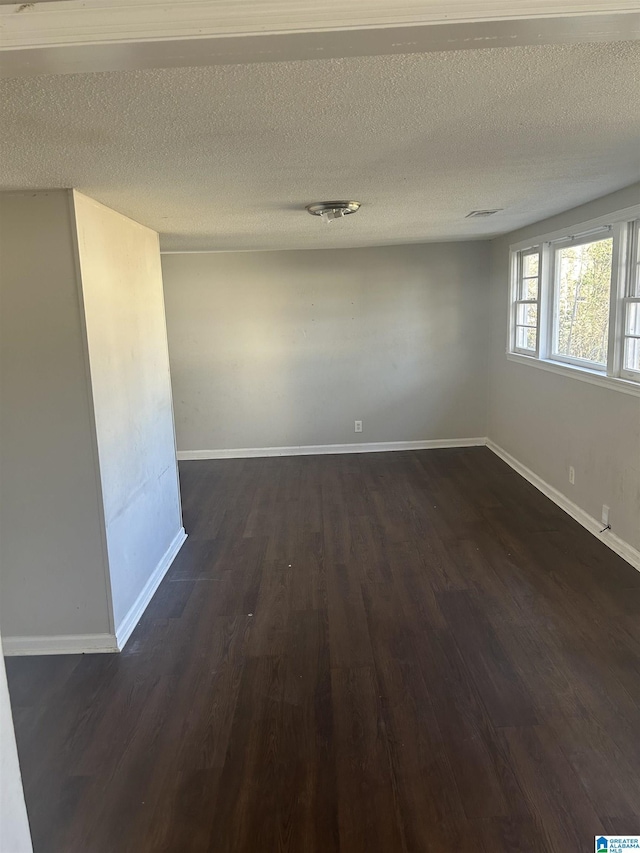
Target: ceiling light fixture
x=330, y=210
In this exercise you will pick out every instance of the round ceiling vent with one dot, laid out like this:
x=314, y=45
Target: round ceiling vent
x=330, y=210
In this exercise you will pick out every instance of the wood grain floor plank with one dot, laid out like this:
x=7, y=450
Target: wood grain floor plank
x=563, y=813
x=503, y=692
x=366, y=802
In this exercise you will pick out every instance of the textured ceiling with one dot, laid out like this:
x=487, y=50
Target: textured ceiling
x=226, y=157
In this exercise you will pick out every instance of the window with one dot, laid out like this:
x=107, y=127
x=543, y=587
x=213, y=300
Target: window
x=631, y=336
x=575, y=299
x=526, y=301
x=582, y=291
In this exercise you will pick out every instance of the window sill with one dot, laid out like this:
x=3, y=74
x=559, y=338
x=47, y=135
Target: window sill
x=580, y=373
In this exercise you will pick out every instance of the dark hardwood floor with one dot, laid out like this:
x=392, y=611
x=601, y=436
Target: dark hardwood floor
x=381, y=652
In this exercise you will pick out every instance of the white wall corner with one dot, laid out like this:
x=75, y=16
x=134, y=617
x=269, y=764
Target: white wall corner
x=72, y=195
x=619, y=546
x=126, y=627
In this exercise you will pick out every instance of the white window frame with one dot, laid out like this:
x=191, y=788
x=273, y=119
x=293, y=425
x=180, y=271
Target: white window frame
x=631, y=297
x=624, y=227
x=517, y=279
x=554, y=294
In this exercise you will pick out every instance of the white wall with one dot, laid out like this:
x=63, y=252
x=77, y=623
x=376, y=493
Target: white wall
x=272, y=349
x=52, y=560
x=549, y=422
x=126, y=333
x=15, y=836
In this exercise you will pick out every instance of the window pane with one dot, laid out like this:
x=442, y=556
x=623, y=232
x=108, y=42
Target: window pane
x=530, y=288
x=633, y=319
x=527, y=315
x=525, y=338
x=530, y=265
x=634, y=284
x=584, y=285
x=632, y=354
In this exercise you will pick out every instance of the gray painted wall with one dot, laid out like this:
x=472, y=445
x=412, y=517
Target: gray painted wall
x=549, y=422
x=276, y=349
x=52, y=567
x=126, y=333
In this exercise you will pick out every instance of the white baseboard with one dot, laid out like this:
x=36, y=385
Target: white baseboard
x=328, y=449
x=125, y=628
x=72, y=644
x=622, y=549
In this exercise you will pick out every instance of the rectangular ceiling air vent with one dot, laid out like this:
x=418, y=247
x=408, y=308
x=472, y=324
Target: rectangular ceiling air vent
x=475, y=213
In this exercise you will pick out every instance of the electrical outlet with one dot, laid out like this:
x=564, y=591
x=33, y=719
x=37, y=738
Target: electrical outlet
x=358, y=426
x=605, y=514
x=572, y=475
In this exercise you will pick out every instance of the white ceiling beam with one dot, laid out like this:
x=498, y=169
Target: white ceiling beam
x=67, y=36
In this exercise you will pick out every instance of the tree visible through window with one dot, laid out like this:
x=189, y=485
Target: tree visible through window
x=583, y=297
